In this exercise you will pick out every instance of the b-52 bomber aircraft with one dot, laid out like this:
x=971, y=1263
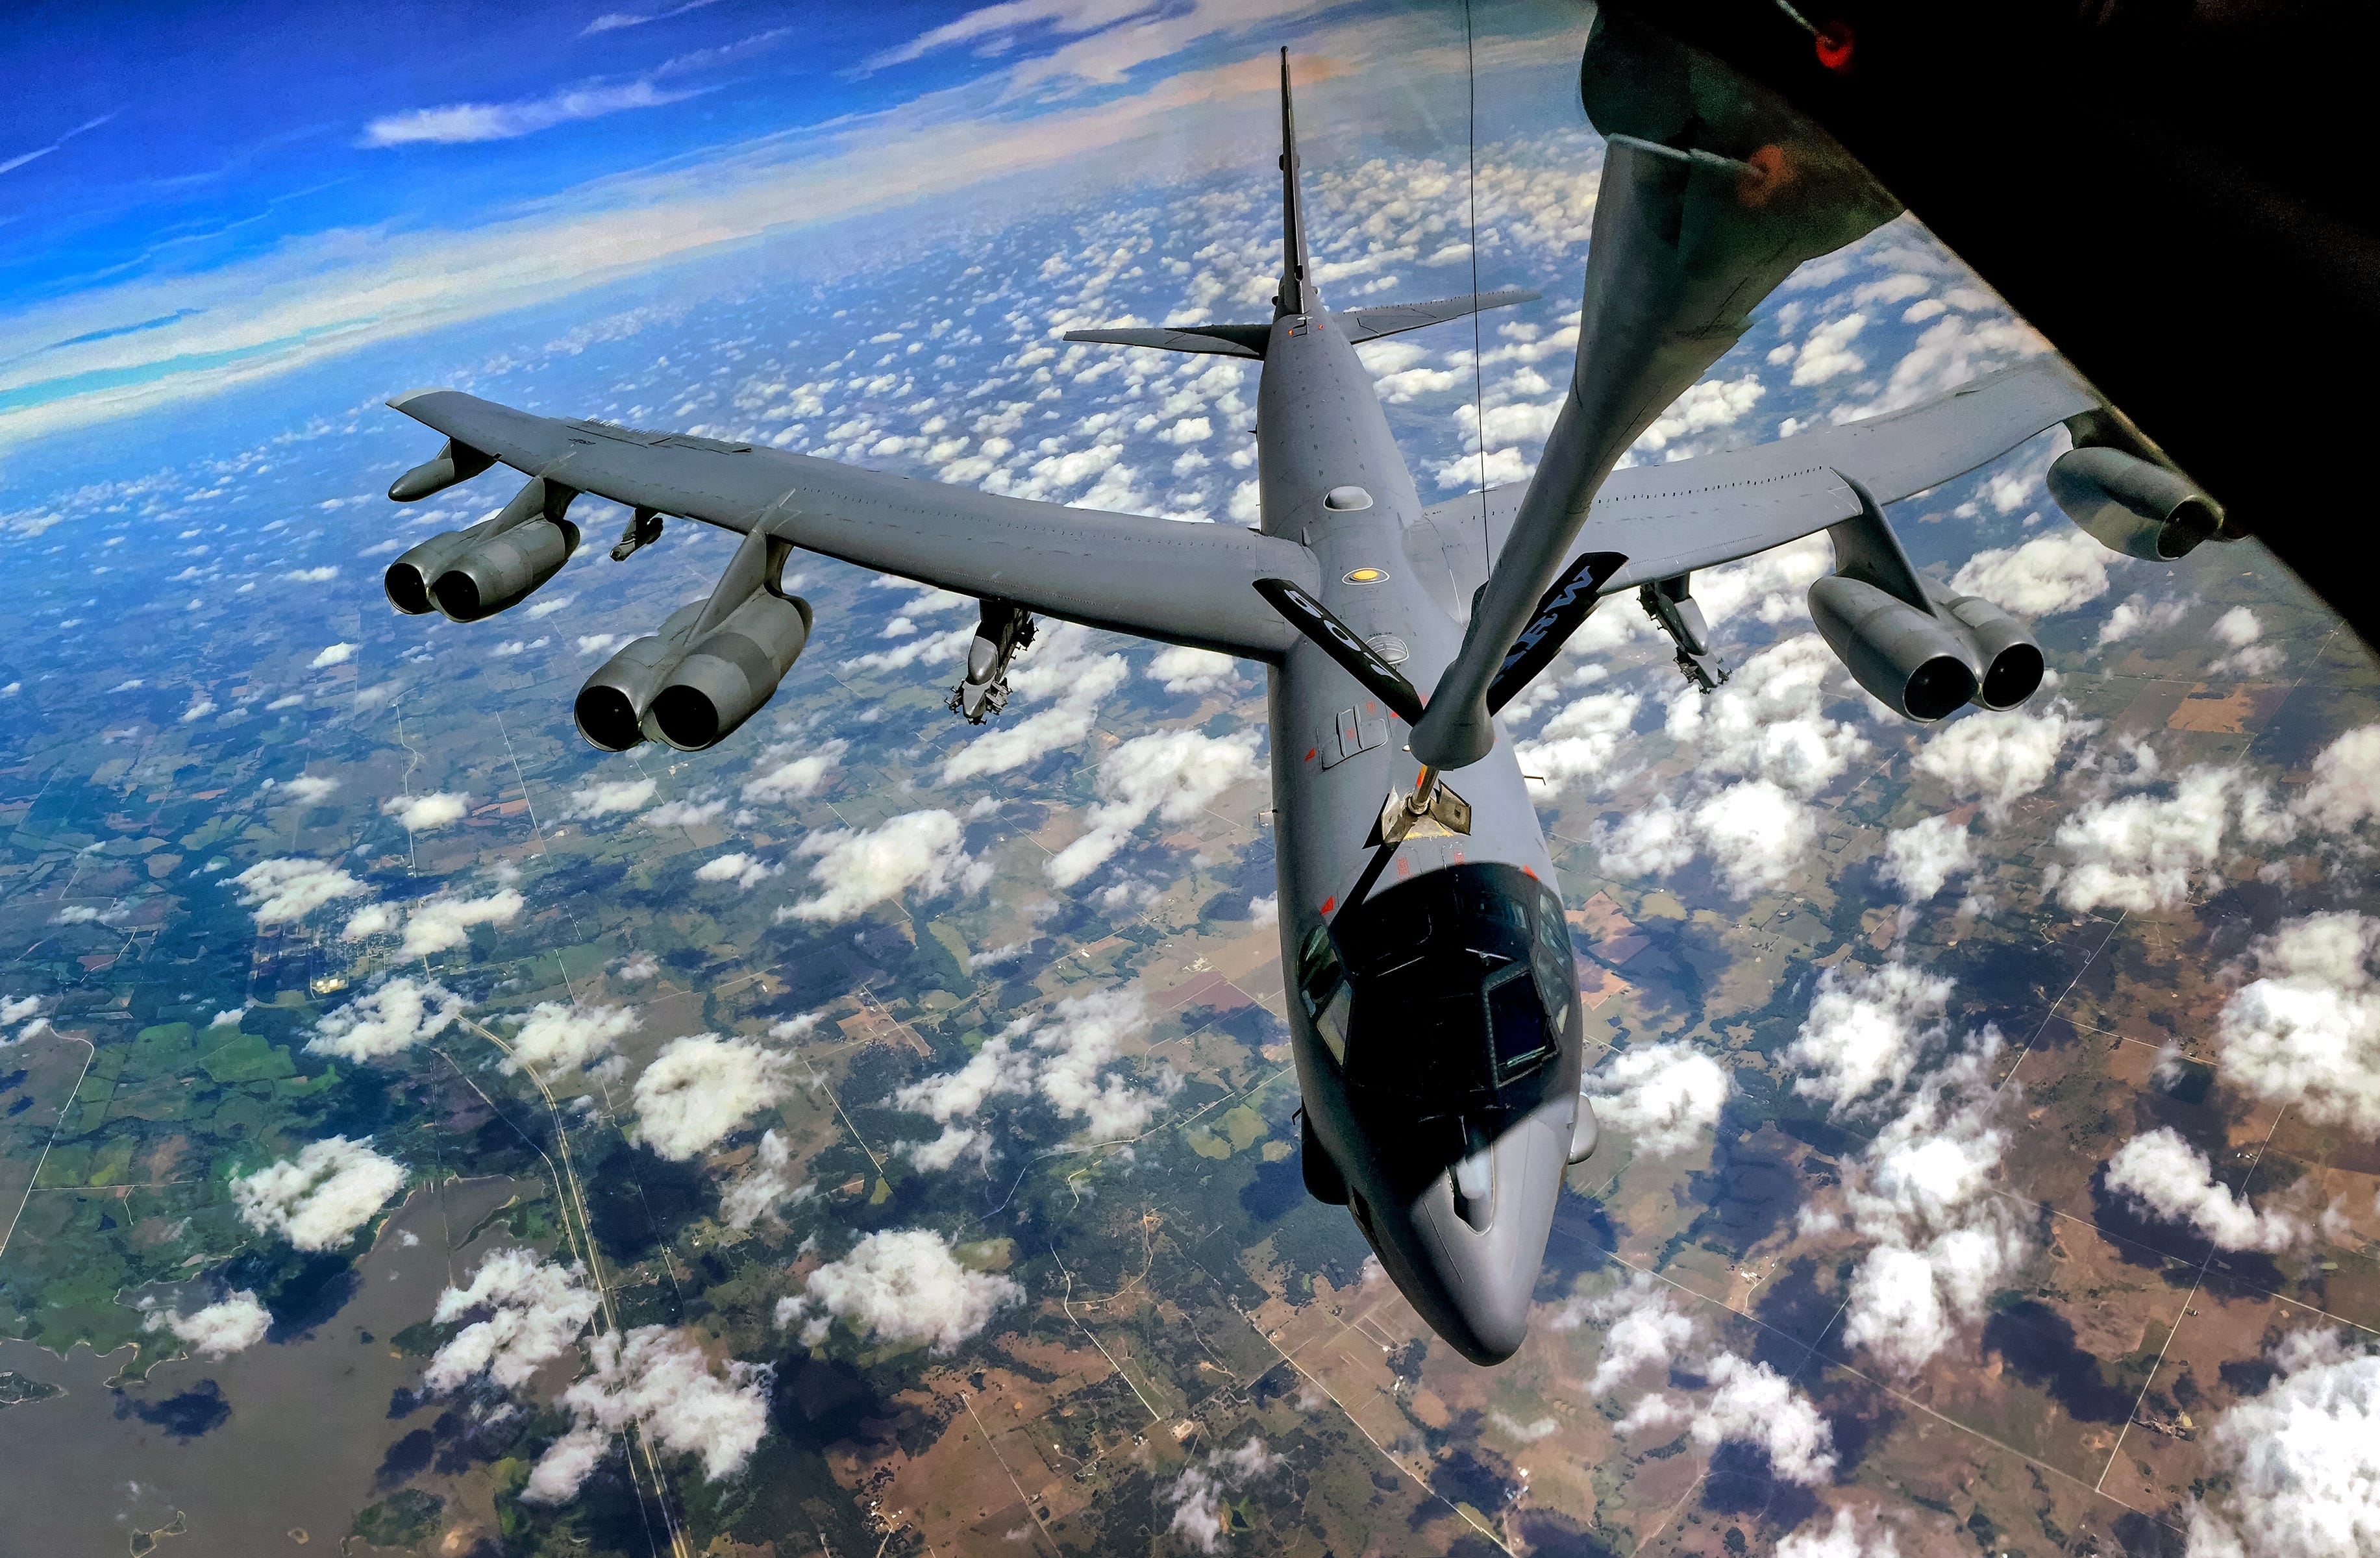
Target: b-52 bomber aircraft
x=1436, y=1024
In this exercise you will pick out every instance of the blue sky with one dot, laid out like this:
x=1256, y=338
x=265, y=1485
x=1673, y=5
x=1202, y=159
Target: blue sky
x=199, y=195
x=183, y=139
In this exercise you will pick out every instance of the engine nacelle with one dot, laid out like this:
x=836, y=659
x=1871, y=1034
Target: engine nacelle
x=1904, y=656
x=612, y=705
x=2133, y=505
x=2010, y=661
x=476, y=573
x=730, y=672
x=456, y=462
x=408, y=579
x=504, y=569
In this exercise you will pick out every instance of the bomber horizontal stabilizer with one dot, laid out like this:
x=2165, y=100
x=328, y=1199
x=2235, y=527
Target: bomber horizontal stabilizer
x=1221, y=340
x=1395, y=319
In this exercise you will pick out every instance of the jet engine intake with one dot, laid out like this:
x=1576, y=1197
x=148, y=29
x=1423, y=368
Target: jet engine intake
x=2011, y=662
x=731, y=671
x=408, y=579
x=1904, y=656
x=611, y=707
x=504, y=569
x=473, y=574
x=2133, y=505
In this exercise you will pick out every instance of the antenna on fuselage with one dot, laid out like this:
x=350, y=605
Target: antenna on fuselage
x=1297, y=295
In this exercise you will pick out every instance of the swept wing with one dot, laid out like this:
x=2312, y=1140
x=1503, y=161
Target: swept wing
x=1159, y=579
x=1670, y=519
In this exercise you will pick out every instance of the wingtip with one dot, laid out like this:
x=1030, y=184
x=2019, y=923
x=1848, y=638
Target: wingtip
x=399, y=402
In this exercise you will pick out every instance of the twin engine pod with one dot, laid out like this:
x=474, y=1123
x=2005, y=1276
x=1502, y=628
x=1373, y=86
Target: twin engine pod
x=2133, y=505
x=1927, y=665
x=709, y=668
x=473, y=574
x=1922, y=650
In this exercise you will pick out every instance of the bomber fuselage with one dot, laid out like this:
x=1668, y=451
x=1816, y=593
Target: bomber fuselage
x=1433, y=1000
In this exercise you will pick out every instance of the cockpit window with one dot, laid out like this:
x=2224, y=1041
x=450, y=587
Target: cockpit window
x=1516, y=1024
x=1322, y=986
x=1454, y=989
x=1555, y=966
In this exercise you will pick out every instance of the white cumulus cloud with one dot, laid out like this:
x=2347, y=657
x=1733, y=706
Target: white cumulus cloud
x=657, y=1380
x=2306, y=1031
x=1757, y=834
x=795, y=778
x=1066, y=1063
x=1581, y=739
x=1643, y=1332
x=702, y=1086
x=684, y=813
x=523, y=1312
x=745, y=871
x=1922, y=857
x=2143, y=851
x=389, y=1020
x=1866, y=1028
x=2346, y=788
x=421, y=813
x=2173, y=1179
x=1173, y=775
x=764, y=1186
x=1999, y=758
x=1767, y=720
x=1925, y=1190
x=1825, y=353
x=217, y=1330
x=2047, y=575
x=1664, y=1096
x=1198, y=1493
x=903, y=1285
x=318, y=1198
x=1059, y=672
x=602, y=798
x=1754, y=1405
x=1851, y=1534
x=2296, y=1470
x=292, y=887
x=556, y=1036
x=857, y=869
x=436, y=924
x=1183, y=669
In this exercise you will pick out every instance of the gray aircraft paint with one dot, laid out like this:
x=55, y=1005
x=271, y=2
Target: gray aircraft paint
x=1341, y=519
x=1322, y=429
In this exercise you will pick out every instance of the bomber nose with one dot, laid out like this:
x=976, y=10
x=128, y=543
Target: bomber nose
x=1483, y=1224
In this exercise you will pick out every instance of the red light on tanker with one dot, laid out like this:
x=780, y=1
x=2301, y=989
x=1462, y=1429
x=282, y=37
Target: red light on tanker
x=1835, y=43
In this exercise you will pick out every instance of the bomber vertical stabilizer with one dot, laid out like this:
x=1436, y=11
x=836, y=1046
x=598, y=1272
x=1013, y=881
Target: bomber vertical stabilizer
x=1297, y=295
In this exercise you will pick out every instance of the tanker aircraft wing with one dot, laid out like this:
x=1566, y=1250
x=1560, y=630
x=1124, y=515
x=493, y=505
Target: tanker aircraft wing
x=1671, y=519
x=1184, y=582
